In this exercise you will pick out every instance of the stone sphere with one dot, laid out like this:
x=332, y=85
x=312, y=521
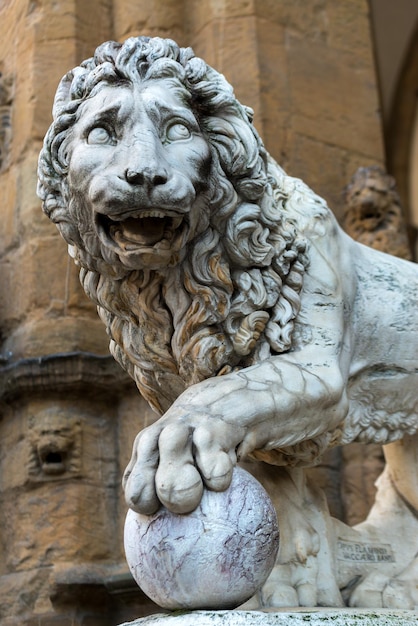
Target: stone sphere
x=216, y=557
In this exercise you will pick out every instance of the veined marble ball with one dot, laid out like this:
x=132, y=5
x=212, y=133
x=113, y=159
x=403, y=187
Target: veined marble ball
x=216, y=557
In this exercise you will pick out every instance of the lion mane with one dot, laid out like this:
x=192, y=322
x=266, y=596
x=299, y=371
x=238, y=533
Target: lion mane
x=238, y=284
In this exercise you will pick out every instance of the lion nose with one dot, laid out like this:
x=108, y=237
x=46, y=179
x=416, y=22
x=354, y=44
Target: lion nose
x=146, y=176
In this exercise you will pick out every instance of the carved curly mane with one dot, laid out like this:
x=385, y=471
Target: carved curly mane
x=234, y=297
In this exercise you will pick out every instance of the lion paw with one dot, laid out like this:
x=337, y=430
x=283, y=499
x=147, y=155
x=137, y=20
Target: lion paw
x=291, y=585
x=176, y=457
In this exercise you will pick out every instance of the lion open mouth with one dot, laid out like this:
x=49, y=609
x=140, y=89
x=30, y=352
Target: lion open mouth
x=146, y=229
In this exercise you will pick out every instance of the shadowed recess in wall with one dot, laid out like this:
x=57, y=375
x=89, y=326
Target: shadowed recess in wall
x=5, y=118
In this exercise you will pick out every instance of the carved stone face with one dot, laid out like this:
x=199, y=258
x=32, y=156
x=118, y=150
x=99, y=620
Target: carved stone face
x=138, y=171
x=55, y=445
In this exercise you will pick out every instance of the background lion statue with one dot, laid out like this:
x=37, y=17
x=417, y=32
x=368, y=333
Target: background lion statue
x=247, y=318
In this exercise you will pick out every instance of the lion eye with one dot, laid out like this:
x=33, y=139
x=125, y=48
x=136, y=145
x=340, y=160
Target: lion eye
x=178, y=132
x=99, y=135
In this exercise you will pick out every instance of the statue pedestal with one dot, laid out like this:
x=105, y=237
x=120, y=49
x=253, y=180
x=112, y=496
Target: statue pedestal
x=301, y=617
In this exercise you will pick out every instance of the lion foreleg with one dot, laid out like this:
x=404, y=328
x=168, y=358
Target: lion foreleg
x=276, y=403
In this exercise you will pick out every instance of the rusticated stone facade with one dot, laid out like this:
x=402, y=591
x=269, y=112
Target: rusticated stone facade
x=69, y=414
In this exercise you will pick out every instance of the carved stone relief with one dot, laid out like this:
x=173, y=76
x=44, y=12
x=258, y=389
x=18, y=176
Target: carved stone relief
x=373, y=214
x=249, y=320
x=55, y=446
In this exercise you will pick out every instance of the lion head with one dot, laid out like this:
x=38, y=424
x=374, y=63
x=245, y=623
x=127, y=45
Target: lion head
x=157, y=179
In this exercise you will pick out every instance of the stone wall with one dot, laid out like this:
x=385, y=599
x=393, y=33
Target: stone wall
x=69, y=414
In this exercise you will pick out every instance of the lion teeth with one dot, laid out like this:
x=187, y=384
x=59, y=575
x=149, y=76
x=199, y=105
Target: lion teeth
x=176, y=221
x=151, y=228
x=172, y=226
x=152, y=213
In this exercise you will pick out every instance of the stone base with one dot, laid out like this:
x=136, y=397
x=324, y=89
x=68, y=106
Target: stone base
x=302, y=617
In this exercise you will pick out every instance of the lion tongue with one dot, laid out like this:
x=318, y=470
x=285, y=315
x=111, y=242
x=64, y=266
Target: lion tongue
x=145, y=231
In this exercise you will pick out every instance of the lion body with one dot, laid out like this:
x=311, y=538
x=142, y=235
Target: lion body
x=243, y=312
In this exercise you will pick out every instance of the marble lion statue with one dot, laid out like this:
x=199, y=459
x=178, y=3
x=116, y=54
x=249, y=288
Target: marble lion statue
x=253, y=325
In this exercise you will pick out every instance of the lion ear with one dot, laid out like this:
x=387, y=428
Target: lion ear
x=64, y=92
x=249, y=113
x=62, y=95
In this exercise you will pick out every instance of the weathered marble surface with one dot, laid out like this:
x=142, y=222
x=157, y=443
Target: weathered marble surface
x=342, y=617
x=249, y=320
x=218, y=555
